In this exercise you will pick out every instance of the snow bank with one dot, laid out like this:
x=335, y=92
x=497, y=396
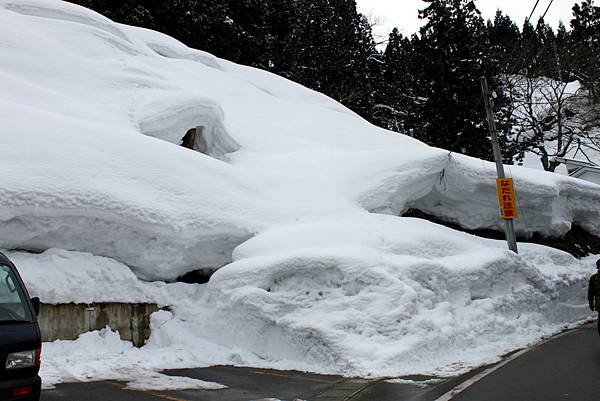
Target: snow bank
x=76, y=172
x=549, y=204
x=58, y=276
x=387, y=296
x=101, y=355
x=160, y=382
x=376, y=296
x=92, y=117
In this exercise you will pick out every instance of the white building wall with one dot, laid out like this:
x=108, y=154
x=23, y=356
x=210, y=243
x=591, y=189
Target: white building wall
x=591, y=176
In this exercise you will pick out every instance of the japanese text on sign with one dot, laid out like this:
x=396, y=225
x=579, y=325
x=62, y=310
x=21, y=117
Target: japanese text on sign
x=507, y=198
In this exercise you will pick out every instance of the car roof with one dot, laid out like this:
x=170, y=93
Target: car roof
x=5, y=260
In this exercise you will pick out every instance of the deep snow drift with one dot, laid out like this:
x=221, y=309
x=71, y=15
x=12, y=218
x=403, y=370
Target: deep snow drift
x=281, y=194
x=379, y=295
x=79, y=90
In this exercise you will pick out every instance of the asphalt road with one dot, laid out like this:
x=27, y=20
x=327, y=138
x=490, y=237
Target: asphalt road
x=244, y=384
x=566, y=367
x=248, y=384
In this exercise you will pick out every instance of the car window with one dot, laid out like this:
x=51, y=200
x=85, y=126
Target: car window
x=12, y=299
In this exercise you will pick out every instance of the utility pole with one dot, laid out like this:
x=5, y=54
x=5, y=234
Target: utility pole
x=509, y=228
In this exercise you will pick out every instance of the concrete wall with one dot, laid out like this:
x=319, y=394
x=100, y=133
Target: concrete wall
x=68, y=321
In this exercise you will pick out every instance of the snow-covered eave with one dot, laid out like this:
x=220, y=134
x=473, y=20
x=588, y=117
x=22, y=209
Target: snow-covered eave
x=549, y=204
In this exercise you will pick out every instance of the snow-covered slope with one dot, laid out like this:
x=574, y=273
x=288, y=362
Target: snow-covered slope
x=79, y=92
x=290, y=188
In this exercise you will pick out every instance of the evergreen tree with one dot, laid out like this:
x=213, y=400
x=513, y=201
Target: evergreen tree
x=530, y=42
x=329, y=49
x=585, y=41
x=452, y=55
x=280, y=19
x=251, y=32
x=543, y=62
x=395, y=99
x=504, y=37
x=564, y=63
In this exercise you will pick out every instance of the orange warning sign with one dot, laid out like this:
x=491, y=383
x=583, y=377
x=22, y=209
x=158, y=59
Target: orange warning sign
x=507, y=198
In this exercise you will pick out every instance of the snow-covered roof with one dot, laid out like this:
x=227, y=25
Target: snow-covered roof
x=583, y=170
x=578, y=168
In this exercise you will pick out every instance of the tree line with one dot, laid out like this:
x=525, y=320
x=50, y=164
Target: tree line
x=425, y=85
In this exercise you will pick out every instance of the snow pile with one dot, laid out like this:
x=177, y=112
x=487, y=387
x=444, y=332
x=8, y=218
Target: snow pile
x=280, y=197
x=57, y=276
x=81, y=175
x=465, y=193
x=160, y=382
x=102, y=355
x=381, y=295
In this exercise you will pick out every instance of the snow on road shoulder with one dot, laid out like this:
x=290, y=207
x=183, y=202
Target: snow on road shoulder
x=161, y=382
x=389, y=296
x=102, y=355
x=372, y=296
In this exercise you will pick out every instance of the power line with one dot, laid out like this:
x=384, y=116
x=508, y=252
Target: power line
x=516, y=45
x=532, y=11
x=547, y=8
x=520, y=60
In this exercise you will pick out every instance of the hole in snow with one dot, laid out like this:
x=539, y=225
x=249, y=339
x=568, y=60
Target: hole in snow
x=187, y=120
x=189, y=139
x=195, y=139
x=202, y=140
x=200, y=276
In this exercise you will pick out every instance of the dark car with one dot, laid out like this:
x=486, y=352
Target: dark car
x=20, y=339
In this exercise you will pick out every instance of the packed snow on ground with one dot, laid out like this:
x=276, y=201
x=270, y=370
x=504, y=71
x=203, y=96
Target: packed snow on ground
x=291, y=198
x=110, y=358
x=161, y=382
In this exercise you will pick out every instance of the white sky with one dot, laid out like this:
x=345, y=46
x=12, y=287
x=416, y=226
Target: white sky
x=403, y=13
